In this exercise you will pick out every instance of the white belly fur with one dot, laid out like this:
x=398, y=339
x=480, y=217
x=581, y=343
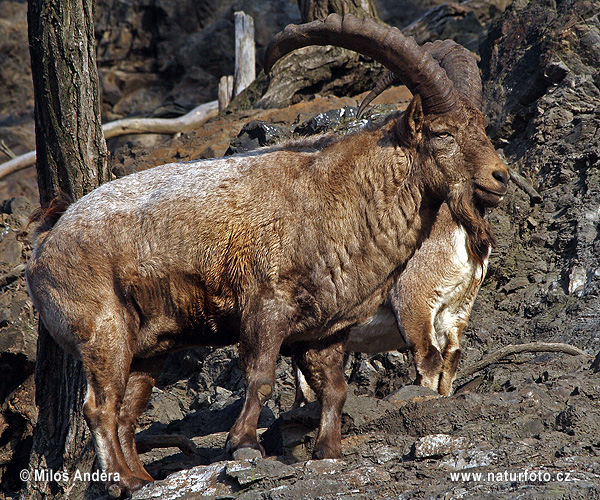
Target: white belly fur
x=379, y=333
x=451, y=298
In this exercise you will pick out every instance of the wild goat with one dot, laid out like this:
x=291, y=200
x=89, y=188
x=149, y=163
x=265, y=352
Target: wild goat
x=430, y=303
x=288, y=245
x=426, y=310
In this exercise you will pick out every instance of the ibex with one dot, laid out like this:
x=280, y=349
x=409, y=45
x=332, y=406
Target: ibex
x=426, y=310
x=288, y=245
x=430, y=303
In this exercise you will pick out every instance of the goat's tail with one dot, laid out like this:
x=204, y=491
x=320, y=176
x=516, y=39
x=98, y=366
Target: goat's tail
x=47, y=215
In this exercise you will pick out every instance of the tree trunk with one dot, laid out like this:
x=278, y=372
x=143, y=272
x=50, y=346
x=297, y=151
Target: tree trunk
x=72, y=158
x=71, y=151
x=311, y=10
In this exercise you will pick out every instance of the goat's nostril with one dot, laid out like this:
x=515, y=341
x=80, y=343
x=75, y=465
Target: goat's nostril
x=500, y=176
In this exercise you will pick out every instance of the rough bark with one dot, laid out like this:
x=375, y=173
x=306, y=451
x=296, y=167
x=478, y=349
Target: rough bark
x=71, y=157
x=69, y=142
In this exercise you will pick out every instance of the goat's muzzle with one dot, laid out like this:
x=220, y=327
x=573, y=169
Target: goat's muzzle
x=491, y=190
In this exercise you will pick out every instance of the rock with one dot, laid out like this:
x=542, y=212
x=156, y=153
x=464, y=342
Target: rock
x=324, y=467
x=256, y=134
x=18, y=344
x=164, y=407
x=248, y=472
x=318, y=70
x=330, y=121
x=449, y=20
x=303, y=488
x=411, y=392
x=202, y=481
x=247, y=454
x=293, y=435
x=438, y=445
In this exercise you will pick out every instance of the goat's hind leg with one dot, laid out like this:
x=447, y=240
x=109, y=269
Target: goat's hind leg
x=322, y=363
x=303, y=390
x=142, y=379
x=107, y=360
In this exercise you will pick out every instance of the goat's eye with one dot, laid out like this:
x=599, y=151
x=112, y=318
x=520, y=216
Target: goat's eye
x=443, y=135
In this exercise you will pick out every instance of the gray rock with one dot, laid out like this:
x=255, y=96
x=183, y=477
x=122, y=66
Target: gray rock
x=251, y=471
x=438, y=445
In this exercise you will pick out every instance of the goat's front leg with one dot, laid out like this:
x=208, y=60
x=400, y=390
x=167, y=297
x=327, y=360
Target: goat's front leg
x=452, y=353
x=260, y=340
x=322, y=363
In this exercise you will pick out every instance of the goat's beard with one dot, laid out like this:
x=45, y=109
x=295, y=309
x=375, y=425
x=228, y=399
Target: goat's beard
x=470, y=215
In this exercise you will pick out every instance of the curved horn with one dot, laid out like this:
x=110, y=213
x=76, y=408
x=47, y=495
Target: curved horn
x=460, y=66
x=420, y=72
x=386, y=81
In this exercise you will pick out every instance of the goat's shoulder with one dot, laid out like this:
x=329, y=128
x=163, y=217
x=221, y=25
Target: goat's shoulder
x=441, y=263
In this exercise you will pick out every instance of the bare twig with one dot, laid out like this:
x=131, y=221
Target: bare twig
x=6, y=150
x=147, y=443
x=505, y=351
x=185, y=123
x=526, y=186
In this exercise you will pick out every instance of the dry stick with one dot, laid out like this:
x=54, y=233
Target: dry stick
x=496, y=356
x=18, y=163
x=185, y=123
x=526, y=186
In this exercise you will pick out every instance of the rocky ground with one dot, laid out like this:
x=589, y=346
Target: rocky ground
x=537, y=415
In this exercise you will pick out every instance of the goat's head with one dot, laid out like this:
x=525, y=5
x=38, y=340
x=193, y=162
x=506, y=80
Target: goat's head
x=443, y=127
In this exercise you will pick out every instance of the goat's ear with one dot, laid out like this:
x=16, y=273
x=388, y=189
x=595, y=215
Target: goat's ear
x=412, y=123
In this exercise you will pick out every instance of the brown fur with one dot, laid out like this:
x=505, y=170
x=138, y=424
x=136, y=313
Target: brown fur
x=46, y=216
x=289, y=245
x=427, y=308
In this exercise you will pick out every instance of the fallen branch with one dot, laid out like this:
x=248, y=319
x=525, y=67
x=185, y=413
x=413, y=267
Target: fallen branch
x=526, y=186
x=17, y=163
x=185, y=123
x=505, y=351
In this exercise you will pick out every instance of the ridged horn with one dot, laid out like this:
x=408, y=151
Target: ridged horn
x=418, y=70
x=387, y=80
x=460, y=66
